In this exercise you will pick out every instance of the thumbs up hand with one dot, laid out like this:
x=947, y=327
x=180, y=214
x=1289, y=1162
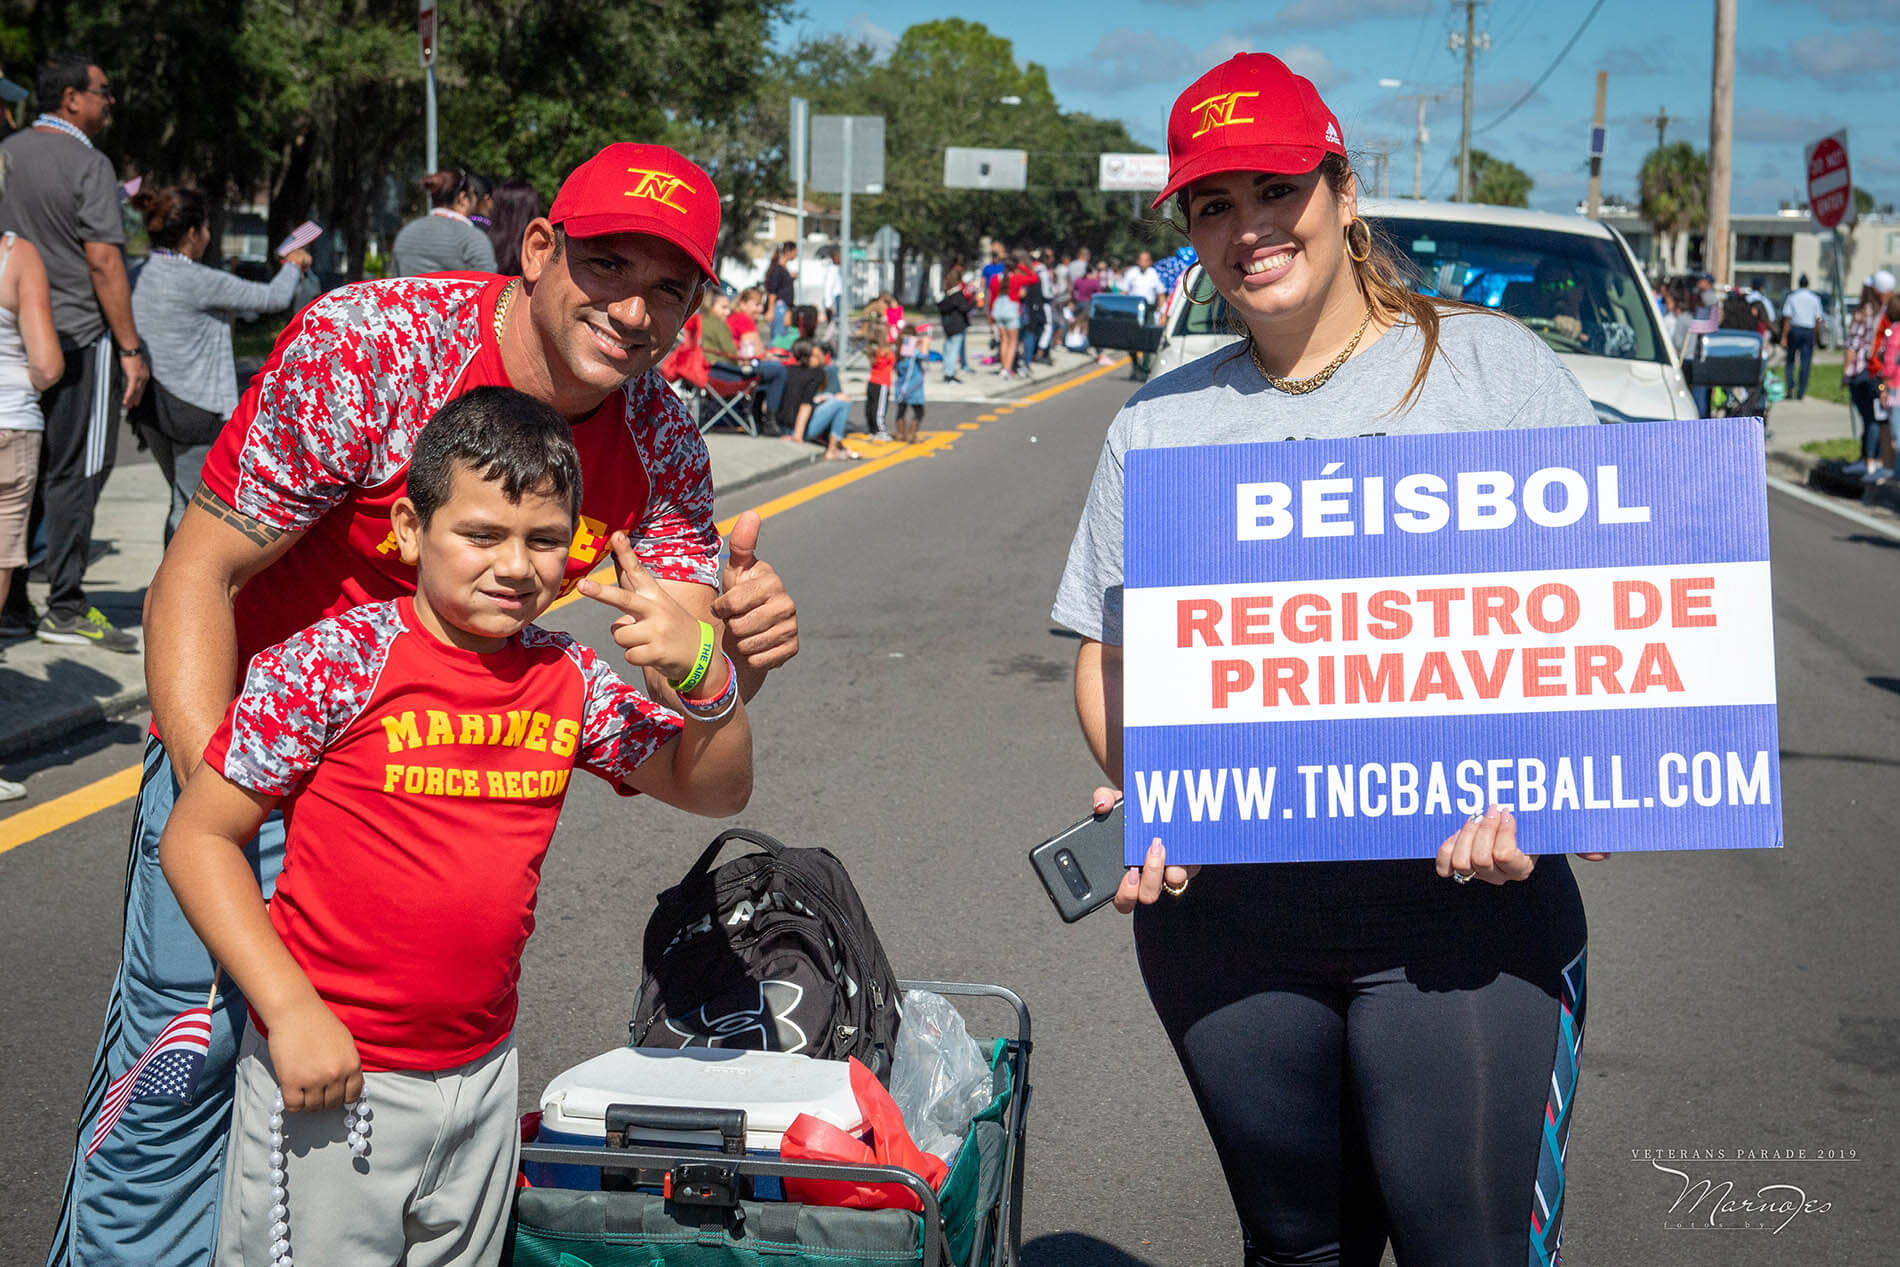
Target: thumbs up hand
x=761, y=620
x=652, y=629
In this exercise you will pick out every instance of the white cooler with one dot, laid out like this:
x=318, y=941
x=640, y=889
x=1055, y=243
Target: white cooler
x=772, y=1087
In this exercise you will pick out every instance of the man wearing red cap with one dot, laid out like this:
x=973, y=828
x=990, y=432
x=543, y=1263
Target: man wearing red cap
x=292, y=524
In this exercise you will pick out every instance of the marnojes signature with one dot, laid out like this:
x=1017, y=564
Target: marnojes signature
x=1775, y=1205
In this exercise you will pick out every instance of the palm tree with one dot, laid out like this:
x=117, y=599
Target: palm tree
x=1672, y=191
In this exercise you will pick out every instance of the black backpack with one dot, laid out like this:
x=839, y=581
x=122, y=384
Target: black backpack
x=772, y=951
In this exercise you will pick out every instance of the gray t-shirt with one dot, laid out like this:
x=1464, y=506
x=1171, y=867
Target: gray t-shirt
x=61, y=194
x=441, y=244
x=1490, y=373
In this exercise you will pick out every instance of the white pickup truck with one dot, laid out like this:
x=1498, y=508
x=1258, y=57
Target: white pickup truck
x=1571, y=279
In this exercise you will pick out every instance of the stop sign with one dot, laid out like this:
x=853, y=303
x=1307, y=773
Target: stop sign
x=1830, y=187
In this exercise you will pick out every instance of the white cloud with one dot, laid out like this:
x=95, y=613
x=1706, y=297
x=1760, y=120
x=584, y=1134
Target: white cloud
x=1769, y=125
x=1864, y=52
x=1304, y=59
x=879, y=37
x=1346, y=12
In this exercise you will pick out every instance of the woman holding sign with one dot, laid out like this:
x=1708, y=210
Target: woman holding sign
x=1382, y=1051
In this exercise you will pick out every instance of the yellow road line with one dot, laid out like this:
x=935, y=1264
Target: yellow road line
x=1071, y=383
x=31, y=824
x=969, y=426
x=986, y=417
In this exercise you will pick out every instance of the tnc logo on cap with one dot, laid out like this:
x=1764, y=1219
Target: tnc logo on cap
x=658, y=186
x=1218, y=112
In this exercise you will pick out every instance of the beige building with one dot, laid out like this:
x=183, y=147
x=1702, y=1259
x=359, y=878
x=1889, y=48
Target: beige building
x=1771, y=250
x=773, y=223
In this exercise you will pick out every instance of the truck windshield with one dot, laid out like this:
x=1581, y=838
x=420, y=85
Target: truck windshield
x=1578, y=292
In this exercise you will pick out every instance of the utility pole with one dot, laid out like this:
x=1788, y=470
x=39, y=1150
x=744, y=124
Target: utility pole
x=1593, y=202
x=1470, y=42
x=1721, y=140
x=1662, y=122
x=1419, y=141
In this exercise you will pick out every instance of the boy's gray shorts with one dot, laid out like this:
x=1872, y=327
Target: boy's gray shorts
x=434, y=1191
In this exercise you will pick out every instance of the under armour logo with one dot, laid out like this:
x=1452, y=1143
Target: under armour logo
x=1332, y=133
x=658, y=186
x=1219, y=112
x=768, y=1026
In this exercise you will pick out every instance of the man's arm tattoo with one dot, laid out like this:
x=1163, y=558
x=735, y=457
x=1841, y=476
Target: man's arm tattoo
x=259, y=534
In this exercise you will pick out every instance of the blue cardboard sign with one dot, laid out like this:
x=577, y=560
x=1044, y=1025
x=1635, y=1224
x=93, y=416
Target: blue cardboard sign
x=1338, y=649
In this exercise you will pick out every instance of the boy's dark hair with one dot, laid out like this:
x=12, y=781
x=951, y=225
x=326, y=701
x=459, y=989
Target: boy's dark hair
x=70, y=68
x=503, y=436
x=802, y=350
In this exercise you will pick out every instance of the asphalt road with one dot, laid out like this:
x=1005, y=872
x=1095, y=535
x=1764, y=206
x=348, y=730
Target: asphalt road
x=1737, y=1001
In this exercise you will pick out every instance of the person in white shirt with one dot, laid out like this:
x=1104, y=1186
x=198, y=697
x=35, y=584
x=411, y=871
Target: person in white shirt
x=1143, y=280
x=1801, y=315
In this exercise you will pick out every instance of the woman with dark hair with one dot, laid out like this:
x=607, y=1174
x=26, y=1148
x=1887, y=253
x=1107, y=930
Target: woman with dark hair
x=482, y=190
x=184, y=311
x=445, y=240
x=953, y=313
x=514, y=205
x=1380, y=1050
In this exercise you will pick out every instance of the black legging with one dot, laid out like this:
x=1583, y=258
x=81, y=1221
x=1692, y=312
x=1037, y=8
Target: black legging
x=1864, y=391
x=1373, y=1049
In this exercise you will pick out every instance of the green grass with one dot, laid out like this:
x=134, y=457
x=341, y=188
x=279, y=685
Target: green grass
x=1824, y=383
x=1837, y=448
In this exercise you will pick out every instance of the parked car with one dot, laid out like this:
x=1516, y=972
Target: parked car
x=1572, y=280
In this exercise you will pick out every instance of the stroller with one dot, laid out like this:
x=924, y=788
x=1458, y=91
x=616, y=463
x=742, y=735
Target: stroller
x=1736, y=361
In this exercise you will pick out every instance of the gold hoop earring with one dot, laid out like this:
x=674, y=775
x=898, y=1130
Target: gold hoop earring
x=1188, y=295
x=1358, y=257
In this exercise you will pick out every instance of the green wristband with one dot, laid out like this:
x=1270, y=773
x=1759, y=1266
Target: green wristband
x=701, y=662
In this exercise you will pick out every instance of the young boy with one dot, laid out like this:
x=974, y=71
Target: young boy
x=422, y=749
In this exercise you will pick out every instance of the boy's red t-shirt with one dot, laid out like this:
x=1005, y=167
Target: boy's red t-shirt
x=423, y=785
x=883, y=361
x=320, y=444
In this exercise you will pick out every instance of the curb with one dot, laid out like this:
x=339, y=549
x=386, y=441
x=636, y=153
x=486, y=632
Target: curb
x=1791, y=464
x=50, y=730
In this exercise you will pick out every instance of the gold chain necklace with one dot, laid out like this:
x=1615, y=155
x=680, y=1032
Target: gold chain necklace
x=1301, y=386
x=501, y=305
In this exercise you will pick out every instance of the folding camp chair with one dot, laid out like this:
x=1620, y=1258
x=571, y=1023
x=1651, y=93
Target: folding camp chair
x=714, y=399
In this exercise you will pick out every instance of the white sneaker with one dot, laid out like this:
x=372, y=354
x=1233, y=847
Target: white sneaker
x=11, y=791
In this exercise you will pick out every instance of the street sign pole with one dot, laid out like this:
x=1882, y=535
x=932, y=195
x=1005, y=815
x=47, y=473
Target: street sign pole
x=426, y=34
x=801, y=114
x=844, y=258
x=1840, y=320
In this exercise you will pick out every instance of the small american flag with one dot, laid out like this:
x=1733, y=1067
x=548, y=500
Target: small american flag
x=1704, y=325
x=301, y=236
x=168, y=1071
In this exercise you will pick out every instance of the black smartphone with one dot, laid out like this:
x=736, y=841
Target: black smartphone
x=1081, y=866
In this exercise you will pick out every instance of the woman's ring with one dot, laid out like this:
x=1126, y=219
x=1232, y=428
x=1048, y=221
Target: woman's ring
x=1174, y=890
x=1464, y=877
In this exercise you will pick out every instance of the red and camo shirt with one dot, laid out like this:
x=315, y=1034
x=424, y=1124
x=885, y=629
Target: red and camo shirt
x=321, y=442
x=424, y=782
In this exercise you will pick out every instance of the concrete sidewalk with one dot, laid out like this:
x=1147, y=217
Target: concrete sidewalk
x=47, y=692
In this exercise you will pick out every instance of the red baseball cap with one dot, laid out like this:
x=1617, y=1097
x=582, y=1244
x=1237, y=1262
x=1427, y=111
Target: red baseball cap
x=1248, y=114
x=631, y=188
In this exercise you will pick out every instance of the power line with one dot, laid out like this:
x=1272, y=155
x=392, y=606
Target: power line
x=1561, y=54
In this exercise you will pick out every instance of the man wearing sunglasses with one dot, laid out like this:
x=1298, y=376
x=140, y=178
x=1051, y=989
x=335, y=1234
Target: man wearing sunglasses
x=62, y=196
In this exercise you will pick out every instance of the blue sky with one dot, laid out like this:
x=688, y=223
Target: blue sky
x=1804, y=68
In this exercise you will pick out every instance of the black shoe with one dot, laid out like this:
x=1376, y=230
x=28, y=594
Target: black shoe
x=91, y=629
x=16, y=623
